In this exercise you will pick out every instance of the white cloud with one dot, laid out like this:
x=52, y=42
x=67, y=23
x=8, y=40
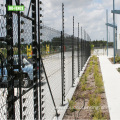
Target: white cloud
x=91, y=14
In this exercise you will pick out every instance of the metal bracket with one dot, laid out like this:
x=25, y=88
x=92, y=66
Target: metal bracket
x=115, y=11
x=111, y=25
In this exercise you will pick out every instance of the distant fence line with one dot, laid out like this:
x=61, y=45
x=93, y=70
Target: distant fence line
x=38, y=64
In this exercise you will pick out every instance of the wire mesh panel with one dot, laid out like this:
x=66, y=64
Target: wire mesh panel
x=68, y=62
x=3, y=71
x=51, y=56
x=76, y=57
x=23, y=66
x=32, y=57
x=26, y=75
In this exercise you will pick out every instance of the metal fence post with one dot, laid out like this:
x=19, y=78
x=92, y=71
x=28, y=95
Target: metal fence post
x=39, y=31
x=9, y=37
x=34, y=56
x=19, y=53
x=81, y=51
x=84, y=49
x=78, y=52
x=63, y=57
x=114, y=30
x=62, y=79
x=107, y=29
x=73, y=55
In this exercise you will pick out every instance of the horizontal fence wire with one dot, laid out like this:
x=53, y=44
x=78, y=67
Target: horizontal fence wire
x=68, y=62
x=50, y=84
x=76, y=57
x=25, y=50
x=51, y=56
x=3, y=56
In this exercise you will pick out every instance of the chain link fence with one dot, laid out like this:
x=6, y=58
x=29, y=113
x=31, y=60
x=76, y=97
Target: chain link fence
x=38, y=64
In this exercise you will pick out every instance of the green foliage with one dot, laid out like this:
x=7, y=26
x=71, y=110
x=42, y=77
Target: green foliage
x=92, y=46
x=118, y=69
x=97, y=114
x=72, y=104
x=4, y=52
x=90, y=88
x=99, y=90
x=101, y=43
x=83, y=88
x=94, y=101
x=117, y=59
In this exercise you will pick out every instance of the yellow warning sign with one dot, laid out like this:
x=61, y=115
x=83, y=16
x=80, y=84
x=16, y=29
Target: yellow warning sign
x=29, y=51
x=47, y=49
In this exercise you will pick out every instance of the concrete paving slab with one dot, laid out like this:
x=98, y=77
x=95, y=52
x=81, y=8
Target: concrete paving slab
x=111, y=79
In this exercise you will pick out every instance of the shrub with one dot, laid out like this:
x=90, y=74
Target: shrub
x=118, y=69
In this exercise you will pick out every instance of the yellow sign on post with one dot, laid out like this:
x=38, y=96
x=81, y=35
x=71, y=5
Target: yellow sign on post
x=47, y=49
x=29, y=51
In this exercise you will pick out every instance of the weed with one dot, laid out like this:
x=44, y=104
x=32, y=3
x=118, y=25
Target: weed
x=118, y=69
x=94, y=101
x=83, y=88
x=90, y=88
x=72, y=104
x=99, y=90
x=97, y=114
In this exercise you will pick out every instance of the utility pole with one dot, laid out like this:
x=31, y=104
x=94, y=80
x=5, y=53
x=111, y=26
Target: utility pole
x=103, y=46
x=107, y=29
x=115, y=40
x=114, y=30
x=109, y=37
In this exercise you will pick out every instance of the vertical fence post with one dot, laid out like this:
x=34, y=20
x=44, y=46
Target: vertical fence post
x=62, y=57
x=114, y=30
x=73, y=55
x=19, y=53
x=87, y=48
x=116, y=37
x=78, y=53
x=34, y=48
x=81, y=49
x=84, y=45
x=107, y=29
x=62, y=79
x=9, y=37
x=39, y=27
x=90, y=45
x=103, y=46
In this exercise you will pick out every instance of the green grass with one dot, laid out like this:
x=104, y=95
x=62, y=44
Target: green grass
x=72, y=104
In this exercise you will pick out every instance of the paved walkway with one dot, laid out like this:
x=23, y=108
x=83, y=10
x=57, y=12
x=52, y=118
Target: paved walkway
x=111, y=79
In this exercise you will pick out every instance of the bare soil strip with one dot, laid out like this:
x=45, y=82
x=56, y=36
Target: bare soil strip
x=89, y=99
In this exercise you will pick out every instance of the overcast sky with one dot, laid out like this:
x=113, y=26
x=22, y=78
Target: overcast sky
x=91, y=14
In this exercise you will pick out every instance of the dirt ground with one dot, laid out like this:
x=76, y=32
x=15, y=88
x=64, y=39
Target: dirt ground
x=82, y=110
